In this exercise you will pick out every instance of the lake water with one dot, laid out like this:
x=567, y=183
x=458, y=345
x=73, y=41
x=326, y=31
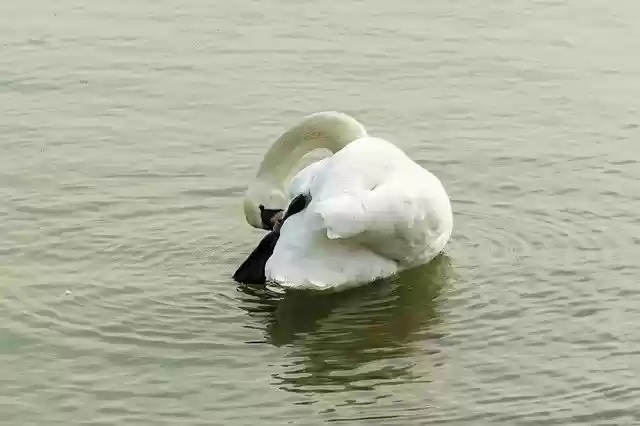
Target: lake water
x=129, y=131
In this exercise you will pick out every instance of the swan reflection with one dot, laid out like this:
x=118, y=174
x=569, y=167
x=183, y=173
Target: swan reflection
x=355, y=338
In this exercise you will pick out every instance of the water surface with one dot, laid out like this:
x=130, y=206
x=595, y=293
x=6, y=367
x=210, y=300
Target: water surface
x=130, y=129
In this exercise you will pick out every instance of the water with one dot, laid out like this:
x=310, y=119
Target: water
x=130, y=129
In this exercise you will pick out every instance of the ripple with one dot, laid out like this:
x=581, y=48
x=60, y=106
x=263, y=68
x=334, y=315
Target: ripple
x=143, y=323
x=132, y=283
x=148, y=174
x=215, y=193
x=511, y=235
x=491, y=236
x=355, y=339
x=122, y=218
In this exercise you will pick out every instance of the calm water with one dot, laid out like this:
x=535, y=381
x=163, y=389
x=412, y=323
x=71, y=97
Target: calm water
x=129, y=130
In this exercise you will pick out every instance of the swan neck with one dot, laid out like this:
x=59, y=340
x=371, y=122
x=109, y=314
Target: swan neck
x=330, y=131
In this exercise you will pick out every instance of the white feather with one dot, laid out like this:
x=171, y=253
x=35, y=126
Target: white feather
x=373, y=212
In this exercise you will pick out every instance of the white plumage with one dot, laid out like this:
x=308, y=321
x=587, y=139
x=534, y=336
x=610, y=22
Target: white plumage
x=373, y=211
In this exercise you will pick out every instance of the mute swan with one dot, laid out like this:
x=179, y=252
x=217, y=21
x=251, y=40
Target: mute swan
x=366, y=212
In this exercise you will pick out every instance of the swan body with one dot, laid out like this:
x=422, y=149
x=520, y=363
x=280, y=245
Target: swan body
x=371, y=211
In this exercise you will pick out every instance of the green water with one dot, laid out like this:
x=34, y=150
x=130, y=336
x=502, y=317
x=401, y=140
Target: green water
x=129, y=131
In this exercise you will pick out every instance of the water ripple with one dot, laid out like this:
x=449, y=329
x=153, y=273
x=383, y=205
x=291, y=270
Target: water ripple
x=122, y=218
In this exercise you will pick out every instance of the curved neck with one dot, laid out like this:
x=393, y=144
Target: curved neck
x=328, y=130
x=323, y=130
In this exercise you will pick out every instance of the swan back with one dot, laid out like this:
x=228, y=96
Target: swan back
x=373, y=212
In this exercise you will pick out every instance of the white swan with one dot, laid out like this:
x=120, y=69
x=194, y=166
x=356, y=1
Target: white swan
x=366, y=212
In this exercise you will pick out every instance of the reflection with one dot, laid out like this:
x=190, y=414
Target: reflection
x=352, y=339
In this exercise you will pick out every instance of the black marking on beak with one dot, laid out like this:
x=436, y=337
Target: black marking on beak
x=270, y=217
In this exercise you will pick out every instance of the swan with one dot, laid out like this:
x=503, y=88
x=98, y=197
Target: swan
x=365, y=212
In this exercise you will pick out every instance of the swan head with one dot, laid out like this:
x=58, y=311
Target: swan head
x=262, y=202
x=328, y=130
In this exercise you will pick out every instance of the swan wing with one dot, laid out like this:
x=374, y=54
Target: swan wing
x=372, y=190
x=373, y=211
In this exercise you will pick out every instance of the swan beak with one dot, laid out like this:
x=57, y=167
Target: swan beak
x=270, y=217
